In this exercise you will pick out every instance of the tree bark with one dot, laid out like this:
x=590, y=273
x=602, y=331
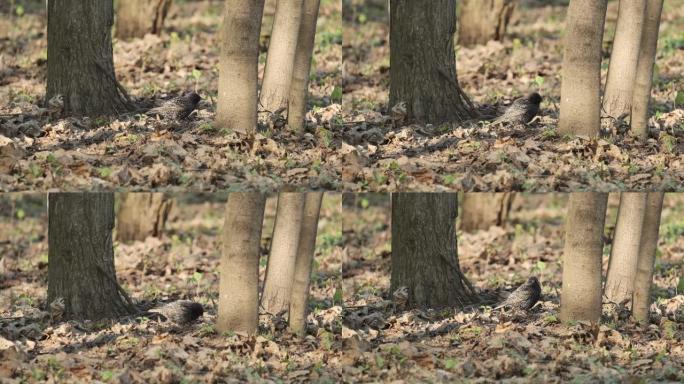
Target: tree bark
x=581, y=77
x=483, y=210
x=141, y=214
x=283, y=256
x=81, y=254
x=80, y=61
x=423, y=62
x=302, y=65
x=617, y=99
x=483, y=20
x=625, y=250
x=582, y=253
x=303, y=264
x=424, y=252
x=647, y=253
x=644, y=72
x=136, y=18
x=239, y=286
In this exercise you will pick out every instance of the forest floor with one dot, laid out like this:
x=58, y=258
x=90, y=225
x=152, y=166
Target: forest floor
x=39, y=151
x=383, y=154
x=384, y=343
x=183, y=264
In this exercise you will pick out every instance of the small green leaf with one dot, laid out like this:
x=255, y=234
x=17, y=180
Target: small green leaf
x=196, y=74
x=679, y=99
x=19, y=10
x=20, y=214
x=680, y=285
x=336, y=95
x=539, y=80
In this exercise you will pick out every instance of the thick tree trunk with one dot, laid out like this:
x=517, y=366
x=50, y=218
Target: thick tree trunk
x=141, y=214
x=305, y=254
x=239, y=286
x=423, y=62
x=625, y=251
x=282, y=259
x=483, y=20
x=80, y=62
x=484, y=210
x=424, y=252
x=238, y=65
x=644, y=73
x=81, y=254
x=617, y=99
x=582, y=253
x=136, y=18
x=275, y=88
x=581, y=77
x=647, y=251
x=302, y=66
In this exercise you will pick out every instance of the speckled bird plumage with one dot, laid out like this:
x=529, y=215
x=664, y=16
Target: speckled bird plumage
x=522, y=110
x=524, y=297
x=178, y=108
x=179, y=311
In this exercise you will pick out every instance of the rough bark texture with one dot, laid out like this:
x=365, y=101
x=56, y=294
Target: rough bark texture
x=581, y=292
x=305, y=254
x=302, y=66
x=647, y=251
x=424, y=252
x=283, y=256
x=136, y=18
x=239, y=286
x=581, y=74
x=483, y=20
x=81, y=256
x=625, y=251
x=275, y=88
x=423, y=62
x=80, y=62
x=644, y=72
x=617, y=99
x=140, y=215
x=483, y=210
x=238, y=61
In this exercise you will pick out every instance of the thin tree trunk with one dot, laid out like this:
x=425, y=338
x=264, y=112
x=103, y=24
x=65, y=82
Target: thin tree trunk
x=239, y=286
x=617, y=99
x=625, y=251
x=305, y=255
x=302, y=66
x=80, y=61
x=484, y=210
x=644, y=73
x=581, y=74
x=423, y=62
x=141, y=215
x=647, y=252
x=238, y=65
x=424, y=252
x=282, y=259
x=81, y=254
x=483, y=20
x=582, y=253
x=136, y=18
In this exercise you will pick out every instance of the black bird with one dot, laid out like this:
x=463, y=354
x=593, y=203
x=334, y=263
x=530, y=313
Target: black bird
x=178, y=108
x=524, y=297
x=522, y=111
x=179, y=311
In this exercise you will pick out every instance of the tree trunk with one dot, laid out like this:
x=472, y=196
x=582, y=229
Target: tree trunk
x=483, y=210
x=424, y=252
x=239, y=286
x=581, y=75
x=647, y=251
x=644, y=73
x=423, y=63
x=305, y=254
x=80, y=62
x=483, y=20
x=582, y=254
x=238, y=65
x=302, y=66
x=81, y=254
x=141, y=214
x=136, y=18
x=625, y=250
x=283, y=256
x=617, y=99
x=280, y=61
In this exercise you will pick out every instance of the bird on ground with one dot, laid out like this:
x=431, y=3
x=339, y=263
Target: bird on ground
x=522, y=110
x=178, y=107
x=179, y=312
x=524, y=297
